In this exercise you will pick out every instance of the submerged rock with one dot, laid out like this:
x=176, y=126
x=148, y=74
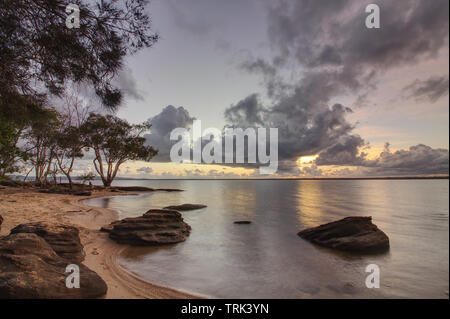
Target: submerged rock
x=155, y=227
x=132, y=188
x=357, y=234
x=30, y=268
x=185, y=207
x=64, y=239
x=1, y=222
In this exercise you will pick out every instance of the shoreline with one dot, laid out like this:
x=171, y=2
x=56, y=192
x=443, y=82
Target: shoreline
x=23, y=206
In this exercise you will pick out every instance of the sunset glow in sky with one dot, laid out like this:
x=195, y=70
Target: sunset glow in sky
x=337, y=91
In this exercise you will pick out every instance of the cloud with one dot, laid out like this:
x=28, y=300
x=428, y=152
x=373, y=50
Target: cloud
x=333, y=33
x=128, y=85
x=245, y=113
x=146, y=170
x=321, y=53
x=417, y=160
x=345, y=152
x=162, y=124
x=336, y=56
x=431, y=89
x=194, y=23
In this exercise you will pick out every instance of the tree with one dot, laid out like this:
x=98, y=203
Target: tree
x=69, y=146
x=10, y=153
x=69, y=140
x=41, y=141
x=115, y=141
x=38, y=50
x=13, y=125
x=39, y=54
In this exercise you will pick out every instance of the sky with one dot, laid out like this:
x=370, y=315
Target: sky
x=347, y=100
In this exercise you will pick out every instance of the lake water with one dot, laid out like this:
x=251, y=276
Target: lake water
x=267, y=259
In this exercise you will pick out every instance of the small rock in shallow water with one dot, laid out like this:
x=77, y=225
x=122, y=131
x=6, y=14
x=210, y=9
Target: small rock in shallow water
x=185, y=207
x=356, y=234
x=155, y=227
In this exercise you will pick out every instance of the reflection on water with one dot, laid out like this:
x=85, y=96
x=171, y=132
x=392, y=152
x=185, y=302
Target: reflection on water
x=266, y=259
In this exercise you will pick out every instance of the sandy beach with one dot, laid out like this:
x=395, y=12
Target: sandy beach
x=18, y=206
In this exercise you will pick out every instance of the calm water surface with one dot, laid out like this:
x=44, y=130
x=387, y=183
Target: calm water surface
x=267, y=259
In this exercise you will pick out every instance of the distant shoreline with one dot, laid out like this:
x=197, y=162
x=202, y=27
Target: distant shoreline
x=287, y=178
x=278, y=178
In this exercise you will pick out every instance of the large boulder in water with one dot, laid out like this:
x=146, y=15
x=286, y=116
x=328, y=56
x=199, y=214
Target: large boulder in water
x=357, y=234
x=64, y=239
x=185, y=207
x=155, y=227
x=30, y=268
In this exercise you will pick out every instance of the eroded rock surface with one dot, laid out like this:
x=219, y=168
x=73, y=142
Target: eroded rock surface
x=64, y=239
x=357, y=234
x=155, y=227
x=30, y=268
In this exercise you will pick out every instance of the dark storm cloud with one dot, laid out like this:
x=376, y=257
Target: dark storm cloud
x=162, y=124
x=417, y=160
x=346, y=152
x=431, y=89
x=318, y=33
x=337, y=55
x=245, y=113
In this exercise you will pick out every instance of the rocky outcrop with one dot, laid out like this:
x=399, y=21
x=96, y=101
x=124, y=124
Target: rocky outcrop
x=155, y=227
x=357, y=234
x=185, y=207
x=64, y=239
x=30, y=268
x=83, y=193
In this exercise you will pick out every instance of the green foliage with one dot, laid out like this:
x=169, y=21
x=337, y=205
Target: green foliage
x=15, y=120
x=41, y=141
x=114, y=142
x=37, y=48
x=39, y=54
x=10, y=153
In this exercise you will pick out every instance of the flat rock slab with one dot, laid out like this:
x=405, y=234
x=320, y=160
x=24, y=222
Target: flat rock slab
x=356, y=234
x=155, y=227
x=185, y=207
x=30, y=268
x=133, y=188
x=64, y=239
